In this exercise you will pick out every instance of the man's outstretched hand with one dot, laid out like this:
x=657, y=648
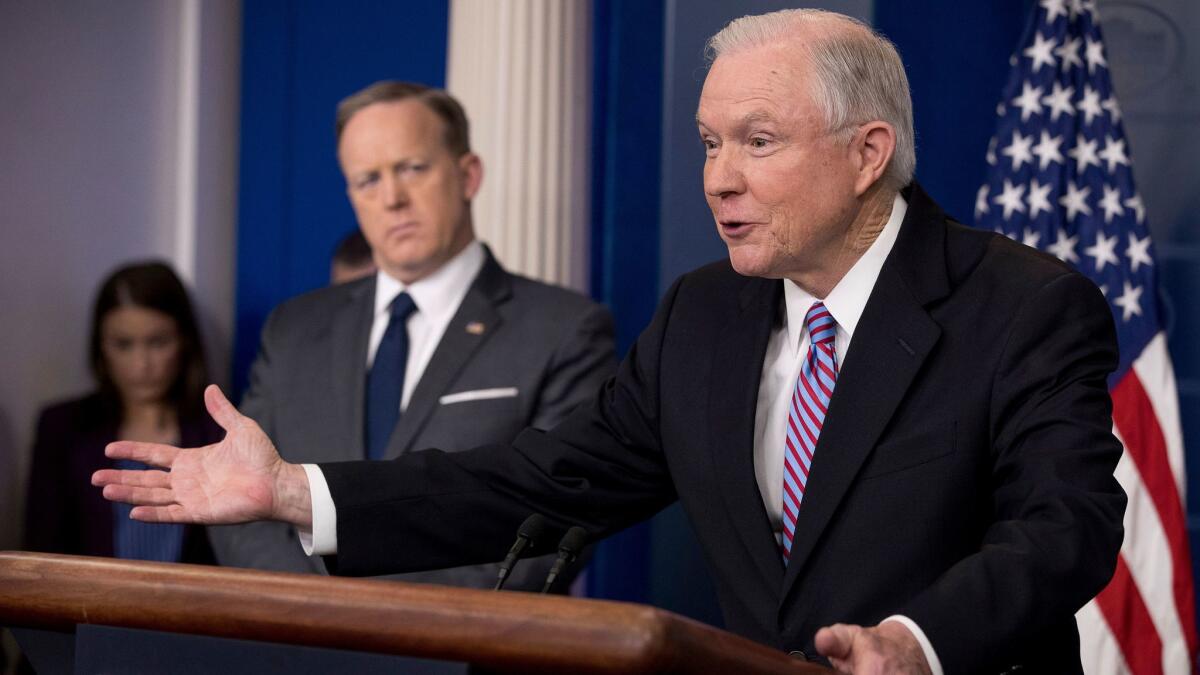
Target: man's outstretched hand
x=239, y=479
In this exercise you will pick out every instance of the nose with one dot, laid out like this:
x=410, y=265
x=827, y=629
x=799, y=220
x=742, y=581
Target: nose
x=723, y=175
x=395, y=194
x=143, y=360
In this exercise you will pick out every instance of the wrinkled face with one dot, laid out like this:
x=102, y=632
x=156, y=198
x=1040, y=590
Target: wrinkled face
x=410, y=194
x=141, y=349
x=781, y=188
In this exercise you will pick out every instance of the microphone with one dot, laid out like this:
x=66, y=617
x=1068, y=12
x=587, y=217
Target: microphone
x=527, y=534
x=568, y=550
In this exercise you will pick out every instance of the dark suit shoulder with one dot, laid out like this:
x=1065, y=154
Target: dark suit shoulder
x=975, y=253
x=82, y=412
x=539, y=300
x=717, y=287
x=323, y=299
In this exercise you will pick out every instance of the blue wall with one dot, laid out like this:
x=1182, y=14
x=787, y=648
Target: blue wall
x=299, y=59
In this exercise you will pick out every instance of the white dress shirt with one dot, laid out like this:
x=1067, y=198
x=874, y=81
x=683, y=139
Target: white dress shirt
x=786, y=349
x=437, y=298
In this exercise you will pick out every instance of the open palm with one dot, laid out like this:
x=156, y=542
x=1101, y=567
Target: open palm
x=233, y=481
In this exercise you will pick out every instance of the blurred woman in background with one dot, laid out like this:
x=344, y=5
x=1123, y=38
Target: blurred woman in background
x=148, y=363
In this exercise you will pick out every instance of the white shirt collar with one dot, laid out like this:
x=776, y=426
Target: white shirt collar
x=849, y=297
x=440, y=292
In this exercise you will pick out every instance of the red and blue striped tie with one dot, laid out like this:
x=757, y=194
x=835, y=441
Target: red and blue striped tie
x=810, y=400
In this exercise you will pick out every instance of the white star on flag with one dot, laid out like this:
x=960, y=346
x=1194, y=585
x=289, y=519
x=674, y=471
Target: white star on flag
x=1047, y=150
x=1130, y=301
x=1138, y=251
x=1075, y=201
x=1139, y=209
x=1064, y=247
x=1114, y=153
x=1104, y=251
x=1069, y=53
x=1114, y=109
x=1059, y=101
x=1089, y=105
x=1010, y=199
x=1111, y=203
x=1040, y=52
x=1039, y=198
x=1029, y=101
x=981, y=201
x=1019, y=150
x=1054, y=8
x=1084, y=153
x=1031, y=238
x=1095, y=55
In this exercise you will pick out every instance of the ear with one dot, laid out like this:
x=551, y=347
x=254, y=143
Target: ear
x=471, y=168
x=873, y=146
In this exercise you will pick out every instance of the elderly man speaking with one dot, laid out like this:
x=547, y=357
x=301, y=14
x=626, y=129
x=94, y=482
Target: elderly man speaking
x=891, y=433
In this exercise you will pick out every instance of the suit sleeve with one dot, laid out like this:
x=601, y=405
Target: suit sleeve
x=602, y=468
x=1056, y=530
x=262, y=545
x=581, y=363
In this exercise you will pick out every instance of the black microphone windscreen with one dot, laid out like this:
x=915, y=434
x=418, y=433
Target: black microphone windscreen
x=574, y=540
x=533, y=528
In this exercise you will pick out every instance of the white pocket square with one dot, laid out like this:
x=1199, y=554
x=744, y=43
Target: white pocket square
x=478, y=395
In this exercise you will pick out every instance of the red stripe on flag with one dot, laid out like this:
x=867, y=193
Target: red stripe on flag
x=1135, y=420
x=1127, y=616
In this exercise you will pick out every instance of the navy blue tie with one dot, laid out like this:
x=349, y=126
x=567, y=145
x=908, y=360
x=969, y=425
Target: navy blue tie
x=385, y=381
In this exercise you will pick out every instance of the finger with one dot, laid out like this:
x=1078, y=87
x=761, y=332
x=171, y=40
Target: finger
x=148, y=478
x=834, y=642
x=139, y=495
x=155, y=454
x=173, y=513
x=222, y=411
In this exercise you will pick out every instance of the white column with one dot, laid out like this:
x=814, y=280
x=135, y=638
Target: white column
x=522, y=70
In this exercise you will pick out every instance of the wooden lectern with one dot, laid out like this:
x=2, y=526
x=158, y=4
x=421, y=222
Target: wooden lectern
x=499, y=632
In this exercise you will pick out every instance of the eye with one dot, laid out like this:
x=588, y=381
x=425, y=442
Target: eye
x=366, y=181
x=759, y=142
x=120, y=344
x=710, y=146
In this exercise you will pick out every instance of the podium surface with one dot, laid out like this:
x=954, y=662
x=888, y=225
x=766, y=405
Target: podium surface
x=505, y=632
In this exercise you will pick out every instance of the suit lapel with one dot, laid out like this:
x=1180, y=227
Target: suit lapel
x=455, y=350
x=348, y=344
x=733, y=399
x=893, y=337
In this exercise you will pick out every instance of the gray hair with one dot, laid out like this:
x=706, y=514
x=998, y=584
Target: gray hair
x=859, y=75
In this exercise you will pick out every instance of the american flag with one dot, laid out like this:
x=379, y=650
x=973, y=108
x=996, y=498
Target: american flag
x=1060, y=179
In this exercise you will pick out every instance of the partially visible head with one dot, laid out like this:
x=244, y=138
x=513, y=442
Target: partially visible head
x=145, y=346
x=410, y=174
x=351, y=259
x=806, y=119
x=856, y=74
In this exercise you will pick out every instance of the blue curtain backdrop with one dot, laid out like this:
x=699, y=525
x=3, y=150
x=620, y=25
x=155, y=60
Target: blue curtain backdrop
x=299, y=58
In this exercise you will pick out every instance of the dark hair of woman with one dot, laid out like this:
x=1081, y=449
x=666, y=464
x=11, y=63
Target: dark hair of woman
x=151, y=285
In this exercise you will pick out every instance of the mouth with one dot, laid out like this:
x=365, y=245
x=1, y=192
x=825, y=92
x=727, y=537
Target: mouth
x=402, y=229
x=734, y=228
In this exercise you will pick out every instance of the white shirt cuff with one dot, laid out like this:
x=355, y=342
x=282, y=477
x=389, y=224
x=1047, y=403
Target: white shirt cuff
x=931, y=657
x=322, y=539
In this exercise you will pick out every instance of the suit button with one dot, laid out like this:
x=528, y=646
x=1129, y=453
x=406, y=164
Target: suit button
x=796, y=653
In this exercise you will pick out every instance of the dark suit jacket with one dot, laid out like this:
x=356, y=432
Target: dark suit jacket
x=964, y=475
x=535, y=352
x=64, y=513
